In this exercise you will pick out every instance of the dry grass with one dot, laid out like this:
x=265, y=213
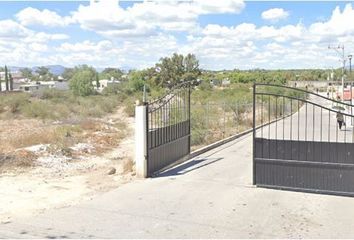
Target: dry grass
x=128, y=166
x=56, y=105
x=19, y=159
x=57, y=135
x=90, y=125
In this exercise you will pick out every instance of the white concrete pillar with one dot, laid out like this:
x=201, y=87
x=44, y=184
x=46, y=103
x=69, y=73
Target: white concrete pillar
x=141, y=141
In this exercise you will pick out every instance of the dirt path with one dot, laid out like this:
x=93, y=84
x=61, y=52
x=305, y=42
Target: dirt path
x=56, y=181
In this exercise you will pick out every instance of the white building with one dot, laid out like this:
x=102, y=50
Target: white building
x=103, y=83
x=36, y=86
x=3, y=86
x=225, y=82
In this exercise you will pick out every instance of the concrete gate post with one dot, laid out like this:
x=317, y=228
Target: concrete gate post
x=141, y=141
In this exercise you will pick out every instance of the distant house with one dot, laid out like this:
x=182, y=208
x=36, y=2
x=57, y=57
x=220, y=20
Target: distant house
x=61, y=85
x=37, y=86
x=3, y=86
x=225, y=82
x=2, y=75
x=214, y=82
x=16, y=76
x=103, y=83
x=29, y=87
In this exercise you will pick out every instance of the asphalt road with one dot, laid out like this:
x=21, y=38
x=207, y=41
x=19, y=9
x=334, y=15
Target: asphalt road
x=210, y=196
x=310, y=123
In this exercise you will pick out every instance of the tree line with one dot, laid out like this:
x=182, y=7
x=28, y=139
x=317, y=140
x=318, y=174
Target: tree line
x=166, y=73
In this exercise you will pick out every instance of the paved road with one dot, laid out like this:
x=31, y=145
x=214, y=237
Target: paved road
x=310, y=123
x=208, y=197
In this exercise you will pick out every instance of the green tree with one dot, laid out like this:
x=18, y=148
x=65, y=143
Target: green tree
x=81, y=81
x=136, y=81
x=68, y=73
x=11, y=82
x=172, y=70
x=42, y=71
x=108, y=73
x=26, y=73
x=191, y=68
x=44, y=74
x=97, y=81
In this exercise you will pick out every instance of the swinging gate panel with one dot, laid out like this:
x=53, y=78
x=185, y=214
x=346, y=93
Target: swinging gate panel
x=168, y=128
x=297, y=144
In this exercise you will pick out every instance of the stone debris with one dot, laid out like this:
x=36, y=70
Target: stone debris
x=111, y=171
x=40, y=148
x=82, y=147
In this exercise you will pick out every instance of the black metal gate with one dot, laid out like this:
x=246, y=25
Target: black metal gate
x=297, y=144
x=168, y=128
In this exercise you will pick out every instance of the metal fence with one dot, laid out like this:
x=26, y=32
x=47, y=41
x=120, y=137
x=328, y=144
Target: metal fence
x=213, y=121
x=302, y=147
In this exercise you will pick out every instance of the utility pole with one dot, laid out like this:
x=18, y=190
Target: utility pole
x=341, y=54
x=332, y=80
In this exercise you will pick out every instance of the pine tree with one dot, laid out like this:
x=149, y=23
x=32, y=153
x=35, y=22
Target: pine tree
x=6, y=79
x=11, y=82
x=97, y=82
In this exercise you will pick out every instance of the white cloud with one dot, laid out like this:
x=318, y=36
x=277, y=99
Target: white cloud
x=22, y=46
x=246, y=45
x=220, y=6
x=148, y=17
x=339, y=24
x=11, y=29
x=140, y=35
x=275, y=14
x=138, y=53
x=45, y=37
x=38, y=47
x=86, y=46
x=32, y=16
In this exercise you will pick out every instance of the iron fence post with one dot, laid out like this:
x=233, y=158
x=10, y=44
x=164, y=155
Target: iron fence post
x=224, y=123
x=189, y=116
x=254, y=134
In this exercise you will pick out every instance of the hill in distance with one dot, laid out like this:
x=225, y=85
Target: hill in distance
x=54, y=69
x=58, y=69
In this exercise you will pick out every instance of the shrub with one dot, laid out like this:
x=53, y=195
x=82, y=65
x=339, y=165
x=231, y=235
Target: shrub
x=53, y=94
x=14, y=102
x=112, y=89
x=81, y=83
x=38, y=109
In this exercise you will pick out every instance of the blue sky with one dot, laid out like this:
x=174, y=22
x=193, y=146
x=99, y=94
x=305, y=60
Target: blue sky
x=224, y=34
